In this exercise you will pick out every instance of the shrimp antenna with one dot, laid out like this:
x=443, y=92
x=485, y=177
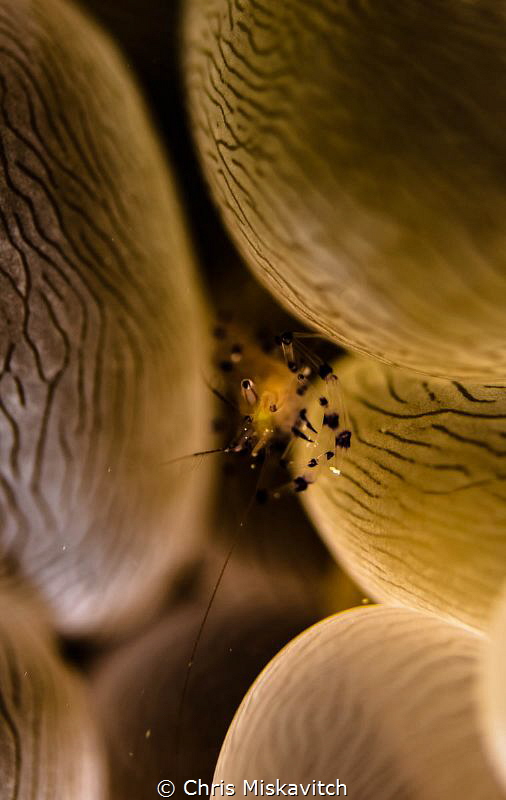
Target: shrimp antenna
x=205, y=452
x=225, y=400
x=195, y=455
x=307, y=335
x=180, y=716
x=210, y=602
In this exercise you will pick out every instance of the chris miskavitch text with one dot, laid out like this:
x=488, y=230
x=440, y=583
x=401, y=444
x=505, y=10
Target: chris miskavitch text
x=259, y=788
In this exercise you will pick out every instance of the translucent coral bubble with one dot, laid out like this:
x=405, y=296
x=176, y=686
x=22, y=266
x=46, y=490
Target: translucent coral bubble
x=101, y=329
x=418, y=513
x=356, y=156
x=380, y=699
x=48, y=743
x=492, y=689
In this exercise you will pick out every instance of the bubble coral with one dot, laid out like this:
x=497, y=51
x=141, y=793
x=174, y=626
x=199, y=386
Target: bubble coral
x=380, y=698
x=357, y=156
x=102, y=329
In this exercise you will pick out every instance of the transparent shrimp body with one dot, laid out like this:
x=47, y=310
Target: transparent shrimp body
x=272, y=407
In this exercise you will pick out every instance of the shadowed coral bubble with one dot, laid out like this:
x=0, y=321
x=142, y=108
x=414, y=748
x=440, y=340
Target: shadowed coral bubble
x=492, y=689
x=49, y=746
x=380, y=699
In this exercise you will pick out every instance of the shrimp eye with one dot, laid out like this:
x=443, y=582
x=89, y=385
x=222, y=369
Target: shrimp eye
x=248, y=391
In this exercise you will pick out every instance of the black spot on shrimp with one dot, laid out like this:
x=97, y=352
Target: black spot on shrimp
x=324, y=370
x=343, y=440
x=301, y=435
x=331, y=421
x=303, y=417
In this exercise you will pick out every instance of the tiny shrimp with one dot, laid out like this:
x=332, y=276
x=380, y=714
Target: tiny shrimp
x=272, y=408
